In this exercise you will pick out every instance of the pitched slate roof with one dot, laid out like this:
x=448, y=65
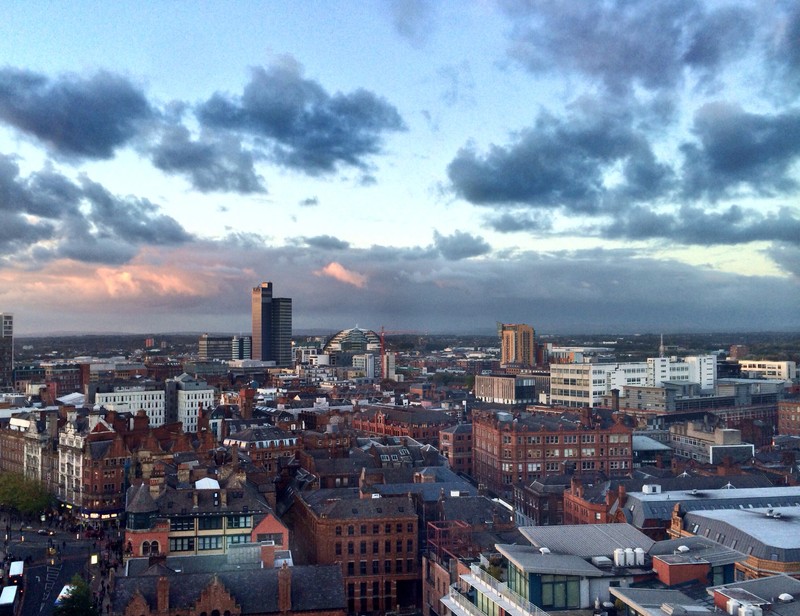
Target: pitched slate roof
x=314, y=588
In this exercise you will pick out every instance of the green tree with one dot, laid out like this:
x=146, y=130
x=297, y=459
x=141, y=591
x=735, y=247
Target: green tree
x=79, y=602
x=26, y=496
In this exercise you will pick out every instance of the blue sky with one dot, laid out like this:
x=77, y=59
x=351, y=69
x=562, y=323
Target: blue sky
x=429, y=166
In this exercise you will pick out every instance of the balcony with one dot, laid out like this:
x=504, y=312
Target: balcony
x=501, y=594
x=459, y=604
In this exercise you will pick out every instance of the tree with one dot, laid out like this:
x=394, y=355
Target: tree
x=79, y=602
x=27, y=496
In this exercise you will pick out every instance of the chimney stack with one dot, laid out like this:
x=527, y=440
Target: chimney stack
x=162, y=595
x=284, y=589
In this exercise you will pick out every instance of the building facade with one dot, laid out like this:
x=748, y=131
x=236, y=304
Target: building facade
x=517, y=344
x=132, y=398
x=509, y=450
x=374, y=540
x=6, y=351
x=505, y=388
x=272, y=326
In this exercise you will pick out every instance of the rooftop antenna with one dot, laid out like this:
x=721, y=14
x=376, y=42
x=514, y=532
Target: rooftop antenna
x=661, y=347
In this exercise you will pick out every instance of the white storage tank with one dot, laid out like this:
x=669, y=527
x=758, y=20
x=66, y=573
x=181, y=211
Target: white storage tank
x=630, y=557
x=619, y=557
x=639, y=553
x=733, y=607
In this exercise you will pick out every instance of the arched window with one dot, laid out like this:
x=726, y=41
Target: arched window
x=145, y=548
x=154, y=547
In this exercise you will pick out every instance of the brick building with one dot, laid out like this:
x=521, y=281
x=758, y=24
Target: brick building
x=789, y=417
x=509, y=449
x=175, y=513
x=455, y=444
x=374, y=541
x=421, y=425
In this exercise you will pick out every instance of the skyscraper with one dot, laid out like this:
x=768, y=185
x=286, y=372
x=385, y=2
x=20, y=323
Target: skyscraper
x=272, y=326
x=517, y=344
x=6, y=350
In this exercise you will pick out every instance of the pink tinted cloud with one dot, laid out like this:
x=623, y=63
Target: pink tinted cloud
x=338, y=272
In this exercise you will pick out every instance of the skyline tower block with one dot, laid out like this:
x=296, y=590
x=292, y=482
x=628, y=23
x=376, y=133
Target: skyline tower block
x=272, y=326
x=6, y=350
x=517, y=344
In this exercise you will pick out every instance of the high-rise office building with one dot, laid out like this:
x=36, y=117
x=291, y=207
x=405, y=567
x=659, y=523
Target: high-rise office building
x=517, y=344
x=6, y=350
x=272, y=326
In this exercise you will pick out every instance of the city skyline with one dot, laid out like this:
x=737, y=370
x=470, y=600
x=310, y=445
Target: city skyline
x=427, y=166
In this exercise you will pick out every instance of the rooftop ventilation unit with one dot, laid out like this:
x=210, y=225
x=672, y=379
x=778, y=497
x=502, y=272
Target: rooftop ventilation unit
x=544, y=550
x=785, y=597
x=683, y=549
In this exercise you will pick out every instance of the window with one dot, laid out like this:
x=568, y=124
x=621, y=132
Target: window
x=410, y=527
x=213, y=542
x=375, y=567
x=181, y=544
x=363, y=529
x=560, y=592
x=387, y=566
x=232, y=539
x=399, y=546
x=410, y=545
x=351, y=568
x=181, y=524
x=374, y=547
x=362, y=567
x=351, y=530
x=375, y=529
x=239, y=521
x=398, y=566
x=350, y=549
x=338, y=531
x=338, y=548
x=209, y=523
x=363, y=547
x=387, y=547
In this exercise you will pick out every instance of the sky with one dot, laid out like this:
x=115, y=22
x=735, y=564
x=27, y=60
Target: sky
x=422, y=166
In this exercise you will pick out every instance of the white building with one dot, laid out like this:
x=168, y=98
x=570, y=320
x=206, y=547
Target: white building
x=578, y=385
x=701, y=369
x=191, y=395
x=134, y=398
x=585, y=384
x=367, y=364
x=784, y=370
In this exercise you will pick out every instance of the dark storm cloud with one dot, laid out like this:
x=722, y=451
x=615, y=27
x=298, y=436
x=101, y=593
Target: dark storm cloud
x=81, y=221
x=210, y=164
x=693, y=225
x=460, y=245
x=83, y=117
x=131, y=218
x=511, y=222
x=741, y=150
x=560, y=163
x=624, y=43
x=307, y=128
x=325, y=242
x=787, y=257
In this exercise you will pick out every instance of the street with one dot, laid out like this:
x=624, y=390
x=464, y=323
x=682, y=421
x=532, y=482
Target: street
x=46, y=574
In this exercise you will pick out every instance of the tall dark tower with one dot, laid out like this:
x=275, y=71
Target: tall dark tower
x=6, y=350
x=272, y=326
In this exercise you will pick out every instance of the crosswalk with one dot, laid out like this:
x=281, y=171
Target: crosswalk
x=50, y=579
